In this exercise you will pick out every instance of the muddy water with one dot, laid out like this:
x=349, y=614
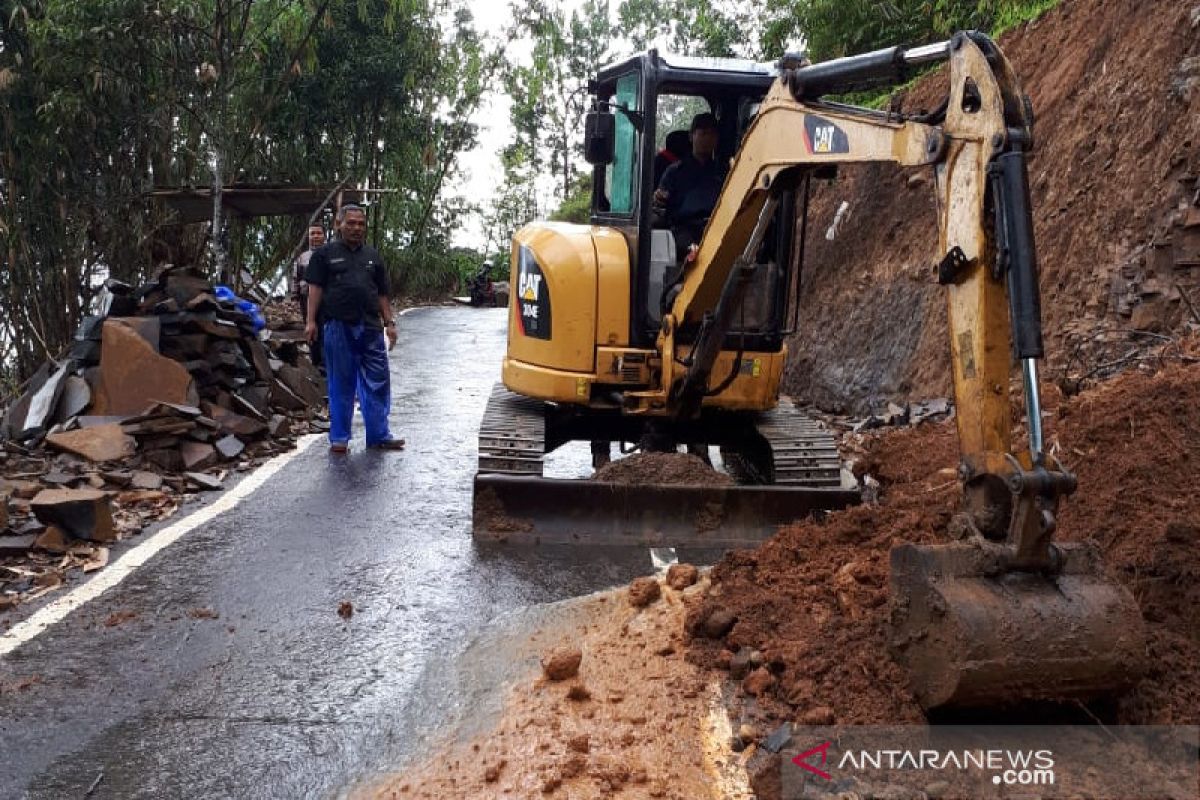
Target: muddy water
x=272, y=694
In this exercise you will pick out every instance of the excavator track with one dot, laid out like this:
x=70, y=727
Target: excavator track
x=804, y=451
x=514, y=503
x=512, y=436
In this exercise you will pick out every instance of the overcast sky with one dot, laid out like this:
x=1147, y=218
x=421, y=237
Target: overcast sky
x=480, y=171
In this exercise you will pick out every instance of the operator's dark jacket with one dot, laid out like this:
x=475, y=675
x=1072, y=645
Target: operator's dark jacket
x=692, y=189
x=352, y=282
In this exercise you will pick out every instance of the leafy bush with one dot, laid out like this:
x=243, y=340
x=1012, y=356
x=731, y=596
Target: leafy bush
x=836, y=28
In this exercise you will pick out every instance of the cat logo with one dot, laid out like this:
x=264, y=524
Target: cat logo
x=823, y=137
x=528, y=286
x=534, y=296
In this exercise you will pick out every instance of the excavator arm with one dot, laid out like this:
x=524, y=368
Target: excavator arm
x=1066, y=631
x=976, y=146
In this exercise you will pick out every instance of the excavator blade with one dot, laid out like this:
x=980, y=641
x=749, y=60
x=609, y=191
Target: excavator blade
x=534, y=510
x=972, y=635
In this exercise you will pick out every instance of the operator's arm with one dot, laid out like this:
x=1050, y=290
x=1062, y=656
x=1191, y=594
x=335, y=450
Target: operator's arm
x=666, y=195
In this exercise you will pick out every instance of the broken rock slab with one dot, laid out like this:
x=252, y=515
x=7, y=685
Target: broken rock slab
x=167, y=459
x=234, y=423
x=76, y=396
x=230, y=447
x=117, y=477
x=146, y=481
x=285, y=398
x=254, y=400
x=82, y=513
x=279, y=426
x=43, y=403
x=23, y=489
x=99, y=443
x=261, y=359
x=301, y=385
x=203, y=482
x=54, y=540
x=149, y=328
x=16, y=545
x=197, y=456
x=132, y=375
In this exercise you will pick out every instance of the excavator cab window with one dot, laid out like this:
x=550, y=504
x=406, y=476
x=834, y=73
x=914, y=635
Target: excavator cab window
x=621, y=177
x=761, y=316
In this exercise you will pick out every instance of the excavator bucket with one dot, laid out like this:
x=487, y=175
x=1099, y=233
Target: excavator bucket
x=535, y=510
x=973, y=634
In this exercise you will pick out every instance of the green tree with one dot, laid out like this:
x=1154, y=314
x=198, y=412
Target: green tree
x=577, y=205
x=721, y=29
x=546, y=89
x=835, y=28
x=107, y=99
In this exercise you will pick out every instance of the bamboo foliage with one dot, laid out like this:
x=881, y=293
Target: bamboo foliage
x=104, y=100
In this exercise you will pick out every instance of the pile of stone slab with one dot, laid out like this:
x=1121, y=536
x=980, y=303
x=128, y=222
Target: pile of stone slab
x=1156, y=290
x=909, y=414
x=162, y=394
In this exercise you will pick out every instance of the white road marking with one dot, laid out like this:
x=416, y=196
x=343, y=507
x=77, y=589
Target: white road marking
x=113, y=574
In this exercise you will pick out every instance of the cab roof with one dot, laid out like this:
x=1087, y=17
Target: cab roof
x=687, y=74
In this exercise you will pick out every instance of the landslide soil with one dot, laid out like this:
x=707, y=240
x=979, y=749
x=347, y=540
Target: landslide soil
x=1114, y=136
x=813, y=599
x=674, y=469
x=638, y=720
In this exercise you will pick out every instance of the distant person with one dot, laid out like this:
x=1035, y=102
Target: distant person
x=675, y=148
x=348, y=292
x=316, y=239
x=690, y=187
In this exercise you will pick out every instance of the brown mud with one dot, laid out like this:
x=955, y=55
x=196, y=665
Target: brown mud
x=673, y=469
x=814, y=599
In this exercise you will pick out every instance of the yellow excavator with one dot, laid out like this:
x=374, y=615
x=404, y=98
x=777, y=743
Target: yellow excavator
x=614, y=336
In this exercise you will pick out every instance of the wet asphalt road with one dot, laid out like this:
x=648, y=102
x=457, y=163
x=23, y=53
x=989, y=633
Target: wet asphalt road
x=278, y=696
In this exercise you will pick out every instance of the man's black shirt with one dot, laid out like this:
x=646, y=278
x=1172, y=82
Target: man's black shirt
x=352, y=282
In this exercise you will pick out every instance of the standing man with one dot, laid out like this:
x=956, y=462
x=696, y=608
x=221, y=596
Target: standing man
x=348, y=288
x=316, y=239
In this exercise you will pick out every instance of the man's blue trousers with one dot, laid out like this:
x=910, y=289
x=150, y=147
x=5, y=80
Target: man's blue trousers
x=356, y=361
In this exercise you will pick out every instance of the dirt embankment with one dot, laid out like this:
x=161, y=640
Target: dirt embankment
x=1116, y=88
x=813, y=600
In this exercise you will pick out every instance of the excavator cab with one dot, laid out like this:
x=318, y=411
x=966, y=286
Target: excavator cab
x=647, y=98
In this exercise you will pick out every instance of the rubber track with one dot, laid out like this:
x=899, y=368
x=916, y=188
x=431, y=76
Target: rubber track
x=512, y=436
x=805, y=452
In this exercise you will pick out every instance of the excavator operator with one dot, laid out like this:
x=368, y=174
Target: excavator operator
x=689, y=188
